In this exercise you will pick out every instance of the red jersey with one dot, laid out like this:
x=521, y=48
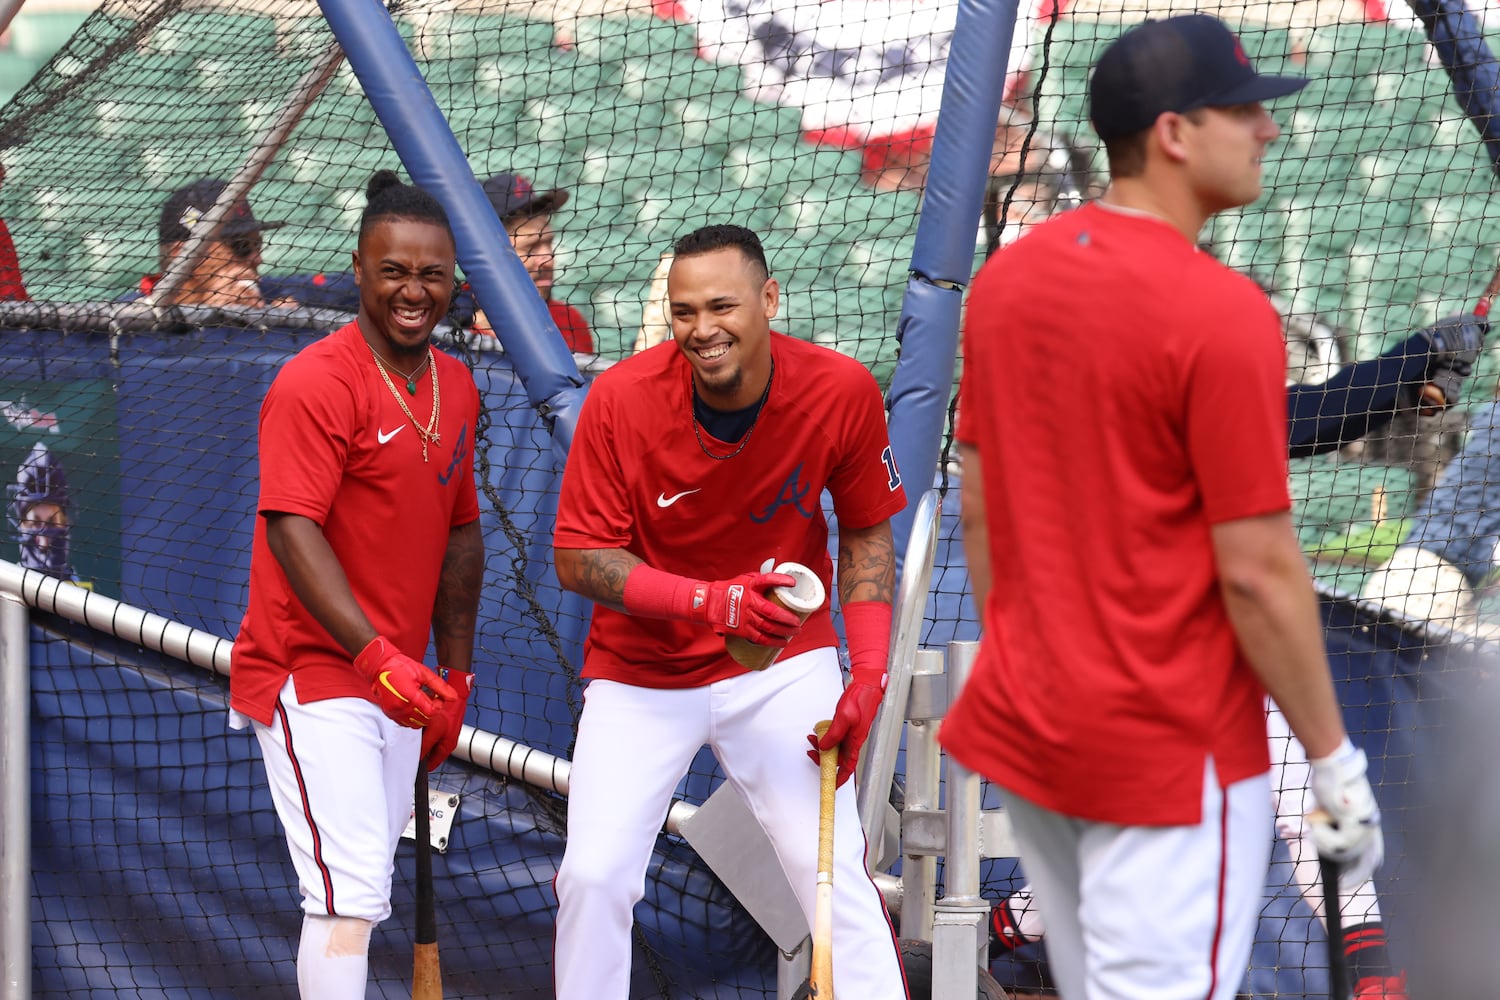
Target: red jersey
x=11, y=286
x=1108, y=670
x=573, y=327
x=336, y=447
x=639, y=478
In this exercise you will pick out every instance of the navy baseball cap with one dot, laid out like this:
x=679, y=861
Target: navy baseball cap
x=186, y=207
x=1176, y=64
x=513, y=195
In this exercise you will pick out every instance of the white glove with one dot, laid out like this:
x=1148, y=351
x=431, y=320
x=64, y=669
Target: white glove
x=1346, y=826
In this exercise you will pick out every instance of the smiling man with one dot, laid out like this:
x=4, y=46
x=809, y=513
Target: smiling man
x=697, y=465
x=367, y=544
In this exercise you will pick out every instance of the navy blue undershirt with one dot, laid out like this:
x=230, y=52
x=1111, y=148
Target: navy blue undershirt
x=726, y=425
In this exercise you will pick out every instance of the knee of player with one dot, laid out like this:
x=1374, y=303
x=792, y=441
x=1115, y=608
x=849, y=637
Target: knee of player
x=595, y=875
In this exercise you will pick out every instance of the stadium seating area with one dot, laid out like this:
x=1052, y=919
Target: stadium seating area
x=1375, y=217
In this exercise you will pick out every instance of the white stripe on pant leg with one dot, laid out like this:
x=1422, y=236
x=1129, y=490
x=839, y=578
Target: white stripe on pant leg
x=760, y=726
x=330, y=791
x=634, y=745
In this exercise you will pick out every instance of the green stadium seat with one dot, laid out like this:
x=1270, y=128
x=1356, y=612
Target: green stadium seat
x=658, y=39
x=467, y=36
x=38, y=34
x=16, y=72
x=601, y=39
x=302, y=38
x=201, y=32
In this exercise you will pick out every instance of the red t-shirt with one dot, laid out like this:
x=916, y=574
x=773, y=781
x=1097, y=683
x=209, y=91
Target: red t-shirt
x=11, y=286
x=638, y=478
x=572, y=325
x=336, y=447
x=1125, y=392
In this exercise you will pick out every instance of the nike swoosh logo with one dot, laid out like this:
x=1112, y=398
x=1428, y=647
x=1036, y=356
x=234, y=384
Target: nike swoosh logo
x=385, y=682
x=662, y=500
x=383, y=437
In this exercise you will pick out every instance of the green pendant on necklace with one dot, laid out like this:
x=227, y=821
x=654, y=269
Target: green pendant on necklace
x=411, y=386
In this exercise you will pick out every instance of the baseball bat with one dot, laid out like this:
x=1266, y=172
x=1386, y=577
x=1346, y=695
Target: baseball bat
x=1338, y=979
x=427, y=971
x=1487, y=297
x=821, y=983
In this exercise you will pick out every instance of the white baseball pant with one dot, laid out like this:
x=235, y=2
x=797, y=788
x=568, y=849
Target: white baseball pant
x=634, y=746
x=1150, y=912
x=341, y=776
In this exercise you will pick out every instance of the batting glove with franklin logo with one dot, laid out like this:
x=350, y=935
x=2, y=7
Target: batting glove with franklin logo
x=1346, y=826
x=407, y=692
x=740, y=607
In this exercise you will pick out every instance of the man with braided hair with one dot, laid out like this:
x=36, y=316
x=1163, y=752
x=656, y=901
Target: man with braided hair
x=367, y=543
x=695, y=463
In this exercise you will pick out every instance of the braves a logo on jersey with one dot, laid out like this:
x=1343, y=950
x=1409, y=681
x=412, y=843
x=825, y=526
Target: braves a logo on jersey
x=460, y=449
x=793, y=491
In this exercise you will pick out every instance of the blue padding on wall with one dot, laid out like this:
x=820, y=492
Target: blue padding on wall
x=973, y=85
x=919, y=391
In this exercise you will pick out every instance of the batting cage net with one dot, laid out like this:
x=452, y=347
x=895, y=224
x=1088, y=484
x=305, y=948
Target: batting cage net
x=131, y=381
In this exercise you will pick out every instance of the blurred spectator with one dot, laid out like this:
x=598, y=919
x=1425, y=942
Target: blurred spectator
x=1452, y=546
x=228, y=272
x=656, y=314
x=527, y=216
x=11, y=286
x=898, y=162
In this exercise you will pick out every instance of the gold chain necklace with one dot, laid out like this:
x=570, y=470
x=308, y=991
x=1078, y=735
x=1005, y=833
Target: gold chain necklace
x=429, y=433
x=759, y=406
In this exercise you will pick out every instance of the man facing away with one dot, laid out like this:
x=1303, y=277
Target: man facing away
x=1132, y=552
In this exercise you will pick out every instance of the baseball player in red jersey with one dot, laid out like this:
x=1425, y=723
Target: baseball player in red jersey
x=1140, y=583
x=694, y=463
x=367, y=542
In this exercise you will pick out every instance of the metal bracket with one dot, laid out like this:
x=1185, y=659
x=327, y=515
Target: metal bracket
x=442, y=809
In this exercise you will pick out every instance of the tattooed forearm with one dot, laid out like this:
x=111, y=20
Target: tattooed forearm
x=867, y=564
x=598, y=574
x=457, y=604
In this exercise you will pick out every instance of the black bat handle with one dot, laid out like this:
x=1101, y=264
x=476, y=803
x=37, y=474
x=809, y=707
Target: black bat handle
x=1338, y=976
x=426, y=904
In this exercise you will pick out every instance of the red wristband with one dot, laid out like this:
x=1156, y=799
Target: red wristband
x=867, y=629
x=652, y=593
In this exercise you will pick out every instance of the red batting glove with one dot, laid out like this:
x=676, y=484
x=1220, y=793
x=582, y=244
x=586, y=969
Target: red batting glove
x=440, y=735
x=740, y=607
x=407, y=692
x=851, y=725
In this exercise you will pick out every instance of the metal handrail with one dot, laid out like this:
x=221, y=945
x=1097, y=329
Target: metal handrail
x=210, y=652
x=878, y=766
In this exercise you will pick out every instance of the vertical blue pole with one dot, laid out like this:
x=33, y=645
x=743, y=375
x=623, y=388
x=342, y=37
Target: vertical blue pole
x=944, y=252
